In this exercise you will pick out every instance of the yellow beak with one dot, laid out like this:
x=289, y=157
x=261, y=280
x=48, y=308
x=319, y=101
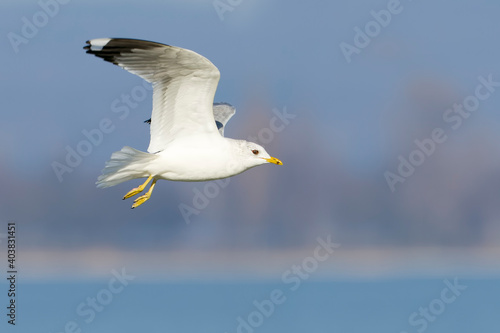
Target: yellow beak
x=274, y=160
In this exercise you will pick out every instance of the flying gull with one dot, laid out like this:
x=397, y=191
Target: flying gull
x=187, y=130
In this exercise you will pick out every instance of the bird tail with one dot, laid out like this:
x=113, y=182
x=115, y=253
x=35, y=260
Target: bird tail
x=126, y=164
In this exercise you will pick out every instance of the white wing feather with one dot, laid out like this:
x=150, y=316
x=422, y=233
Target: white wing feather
x=184, y=85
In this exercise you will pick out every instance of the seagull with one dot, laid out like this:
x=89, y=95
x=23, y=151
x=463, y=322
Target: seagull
x=187, y=129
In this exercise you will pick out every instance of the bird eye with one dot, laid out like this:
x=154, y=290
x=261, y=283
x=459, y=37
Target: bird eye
x=255, y=152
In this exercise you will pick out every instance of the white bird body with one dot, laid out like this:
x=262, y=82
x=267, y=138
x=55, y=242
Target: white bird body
x=187, y=142
x=191, y=159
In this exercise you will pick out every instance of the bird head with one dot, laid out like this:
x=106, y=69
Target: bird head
x=256, y=154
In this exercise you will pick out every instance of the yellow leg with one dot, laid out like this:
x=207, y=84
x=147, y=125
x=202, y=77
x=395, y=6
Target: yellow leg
x=138, y=189
x=142, y=199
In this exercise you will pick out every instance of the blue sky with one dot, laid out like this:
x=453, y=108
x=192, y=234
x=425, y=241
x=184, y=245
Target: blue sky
x=353, y=120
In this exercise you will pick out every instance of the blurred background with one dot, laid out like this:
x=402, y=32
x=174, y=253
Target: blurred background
x=348, y=94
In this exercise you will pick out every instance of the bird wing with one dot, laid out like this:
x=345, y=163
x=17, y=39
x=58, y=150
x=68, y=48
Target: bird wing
x=222, y=113
x=184, y=85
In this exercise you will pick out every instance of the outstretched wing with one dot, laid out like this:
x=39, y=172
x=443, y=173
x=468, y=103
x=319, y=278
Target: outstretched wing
x=222, y=113
x=184, y=85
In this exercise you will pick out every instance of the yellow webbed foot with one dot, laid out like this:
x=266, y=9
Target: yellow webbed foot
x=138, y=189
x=140, y=200
x=143, y=198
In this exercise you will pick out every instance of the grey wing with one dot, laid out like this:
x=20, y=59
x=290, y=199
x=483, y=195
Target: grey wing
x=184, y=85
x=222, y=113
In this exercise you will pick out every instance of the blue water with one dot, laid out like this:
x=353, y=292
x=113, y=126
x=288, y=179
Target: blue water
x=328, y=306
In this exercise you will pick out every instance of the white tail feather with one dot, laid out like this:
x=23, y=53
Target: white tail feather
x=126, y=164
